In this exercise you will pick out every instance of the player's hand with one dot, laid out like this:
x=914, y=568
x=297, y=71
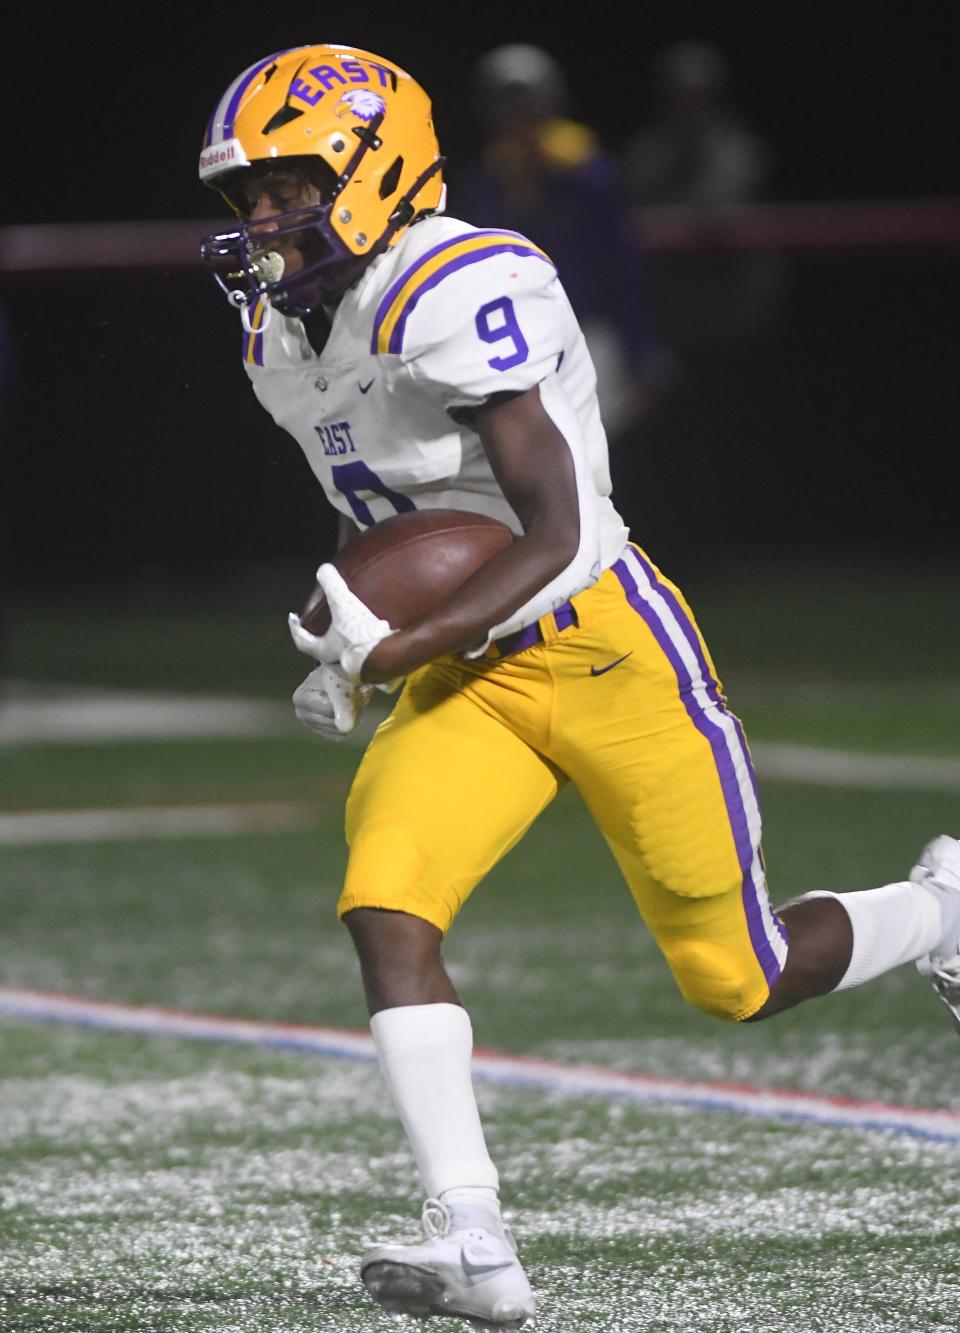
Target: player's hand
x=329, y=703
x=354, y=629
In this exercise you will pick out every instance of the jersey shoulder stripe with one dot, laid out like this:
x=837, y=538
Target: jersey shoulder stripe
x=431, y=268
x=253, y=337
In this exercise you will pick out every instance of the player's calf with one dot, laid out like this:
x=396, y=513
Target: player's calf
x=820, y=944
x=837, y=941
x=400, y=959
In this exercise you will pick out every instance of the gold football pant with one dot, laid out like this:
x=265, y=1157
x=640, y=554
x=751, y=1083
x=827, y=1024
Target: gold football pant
x=620, y=698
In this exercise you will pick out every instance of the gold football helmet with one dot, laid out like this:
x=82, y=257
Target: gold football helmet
x=360, y=128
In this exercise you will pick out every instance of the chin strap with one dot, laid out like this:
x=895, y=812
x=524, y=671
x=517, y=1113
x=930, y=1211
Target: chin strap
x=267, y=309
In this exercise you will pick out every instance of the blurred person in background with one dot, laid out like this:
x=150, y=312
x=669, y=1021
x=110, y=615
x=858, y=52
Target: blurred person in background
x=7, y=378
x=547, y=176
x=711, y=305
x=698, y=153
x=697, y=150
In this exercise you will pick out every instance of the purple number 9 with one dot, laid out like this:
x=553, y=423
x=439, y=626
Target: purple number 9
x=505, y=327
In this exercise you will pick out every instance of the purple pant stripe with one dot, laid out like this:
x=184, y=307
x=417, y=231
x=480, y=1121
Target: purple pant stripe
x=683, y=620
x=693, y=638
x=723, y=758
x=738, y=727
x=709, y=681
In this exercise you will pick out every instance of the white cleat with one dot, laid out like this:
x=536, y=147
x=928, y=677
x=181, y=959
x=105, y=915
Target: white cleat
x=466, y=1266
x=938, y=869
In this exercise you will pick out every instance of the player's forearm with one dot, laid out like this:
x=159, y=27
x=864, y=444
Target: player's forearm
x=488, y=597
x=533, y=443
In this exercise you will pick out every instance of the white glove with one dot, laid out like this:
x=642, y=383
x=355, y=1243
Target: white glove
x=329, y=703
x=354, y=629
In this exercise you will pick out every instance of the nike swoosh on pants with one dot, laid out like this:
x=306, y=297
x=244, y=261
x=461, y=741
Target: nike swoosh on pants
x=600, y=671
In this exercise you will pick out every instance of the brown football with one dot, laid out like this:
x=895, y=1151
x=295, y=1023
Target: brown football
x=408, y=564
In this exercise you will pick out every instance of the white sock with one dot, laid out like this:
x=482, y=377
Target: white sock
x=895, y=924
x=424, y=1052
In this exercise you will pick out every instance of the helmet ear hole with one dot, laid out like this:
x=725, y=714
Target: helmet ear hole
x=391, y=179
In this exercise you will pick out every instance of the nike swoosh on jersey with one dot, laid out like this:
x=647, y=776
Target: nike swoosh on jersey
x=364, y=388
x=600, y=671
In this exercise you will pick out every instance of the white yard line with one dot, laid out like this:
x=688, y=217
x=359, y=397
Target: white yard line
x=31, y=718
x=32, y=715
x=852, y=768
x=492, y=1066
x=38, y=827
x=38, y=715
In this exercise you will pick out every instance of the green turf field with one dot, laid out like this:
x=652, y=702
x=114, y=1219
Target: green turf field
x=167, y=1186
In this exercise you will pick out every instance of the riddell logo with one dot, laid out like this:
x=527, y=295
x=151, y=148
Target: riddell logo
x=220, y=155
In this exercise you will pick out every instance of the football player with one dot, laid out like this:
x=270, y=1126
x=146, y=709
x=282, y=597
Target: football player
x=420, y=362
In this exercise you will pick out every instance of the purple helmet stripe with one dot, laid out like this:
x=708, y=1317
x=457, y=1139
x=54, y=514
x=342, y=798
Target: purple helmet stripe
x=521, y=247
x=225, y=111
x=219, y=111
x=234, y=103
x=729, y=761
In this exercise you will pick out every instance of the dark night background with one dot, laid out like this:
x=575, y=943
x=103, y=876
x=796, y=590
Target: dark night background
x=133, y=444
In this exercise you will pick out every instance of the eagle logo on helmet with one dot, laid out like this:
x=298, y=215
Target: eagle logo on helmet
x=365, y=105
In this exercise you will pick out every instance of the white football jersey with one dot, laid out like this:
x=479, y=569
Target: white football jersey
x=449, y=316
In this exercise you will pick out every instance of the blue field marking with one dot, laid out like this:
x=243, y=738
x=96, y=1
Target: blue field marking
x=491, y=1066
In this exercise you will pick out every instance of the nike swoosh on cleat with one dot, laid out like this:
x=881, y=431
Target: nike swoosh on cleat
x=365, y=387
x=475, y=1268
x=599, y=671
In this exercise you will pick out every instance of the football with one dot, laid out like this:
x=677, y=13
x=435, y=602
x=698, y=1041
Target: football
x=411, y=562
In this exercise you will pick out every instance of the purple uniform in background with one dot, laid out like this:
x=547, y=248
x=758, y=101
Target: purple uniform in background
x=573, y=206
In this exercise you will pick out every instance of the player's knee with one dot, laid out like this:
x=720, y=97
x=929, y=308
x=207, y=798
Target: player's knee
x=393, y=939
x=391, y=870
x=714, y=980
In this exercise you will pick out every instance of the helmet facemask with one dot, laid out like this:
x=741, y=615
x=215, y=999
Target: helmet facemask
x=295, y=259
